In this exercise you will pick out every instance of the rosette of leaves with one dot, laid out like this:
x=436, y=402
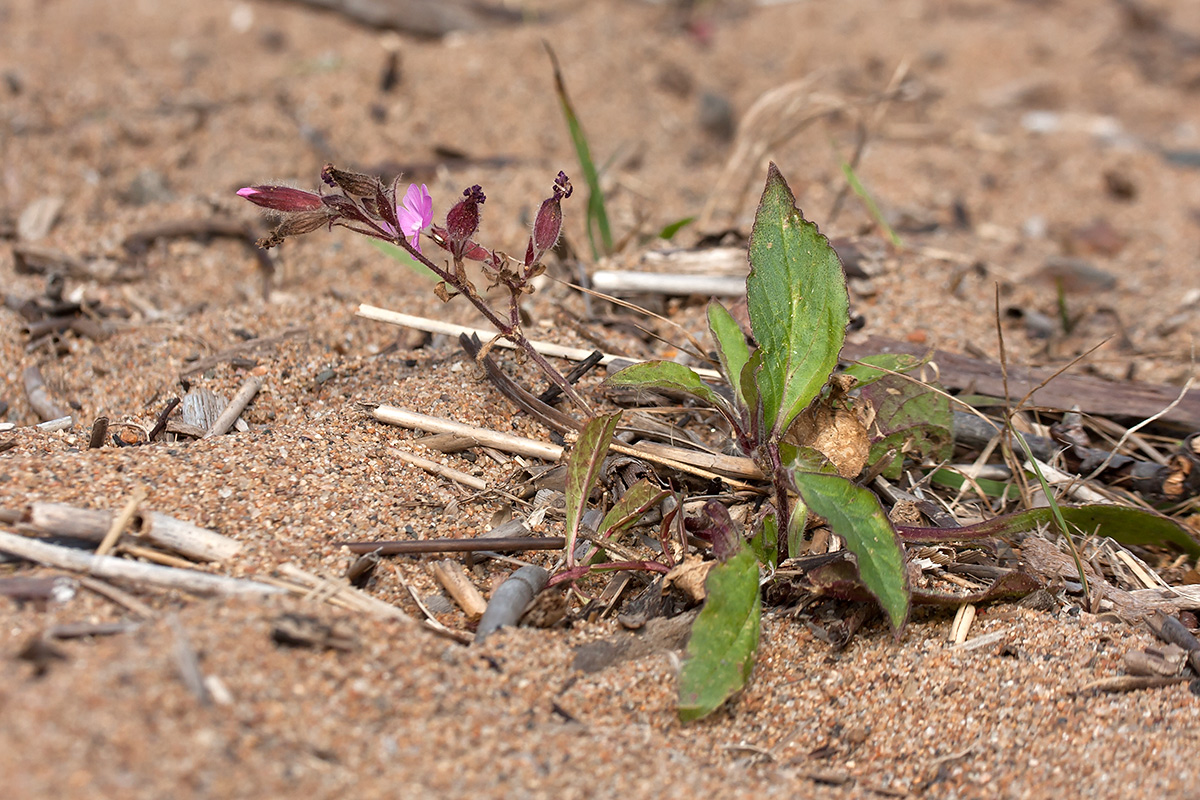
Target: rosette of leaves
x=799, y=309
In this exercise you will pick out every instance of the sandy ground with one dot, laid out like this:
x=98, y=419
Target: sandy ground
x=1000, y=137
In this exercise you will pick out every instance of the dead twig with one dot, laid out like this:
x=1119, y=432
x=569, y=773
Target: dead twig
x=236, y=406
x=133, y=571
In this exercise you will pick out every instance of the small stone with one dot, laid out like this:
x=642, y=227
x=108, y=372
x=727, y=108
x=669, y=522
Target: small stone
x=38, y=218
x=1075, y=276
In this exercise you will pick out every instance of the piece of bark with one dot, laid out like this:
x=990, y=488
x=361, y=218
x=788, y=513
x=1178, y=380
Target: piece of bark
x=1172, y=631
x=79, y=630
x=99, y=433
x=39, y=396
x=510, y=599
x=121, y=569
x=431, y=18
x=59, y=588
x=200, y=408
x=198, y=544
x=1130, y=399
x=1165, y=661
x=454, y=579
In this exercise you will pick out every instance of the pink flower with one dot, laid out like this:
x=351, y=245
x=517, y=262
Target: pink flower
x=415, y=214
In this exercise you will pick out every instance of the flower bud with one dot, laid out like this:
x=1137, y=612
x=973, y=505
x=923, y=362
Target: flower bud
x=355, y=184
x=282, y=198
x=463, y=219
x=548, y=225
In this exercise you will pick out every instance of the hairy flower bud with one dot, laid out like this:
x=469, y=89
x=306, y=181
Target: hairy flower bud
x=355, y=184
x=282, y=198
x=463, y=219
x=548, y=225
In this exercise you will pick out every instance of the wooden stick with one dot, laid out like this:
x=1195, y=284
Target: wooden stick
x=454, y=579
x=549, y=452
x=470, y=481
x=236, y=406
x=120, y=522
x=626, y=281
x=120, y=569
x=501, y=441
x=738, y=466
x=191, y=541
x=118, y=596
x=438, y=326
x=360, y=600
x=52, y=425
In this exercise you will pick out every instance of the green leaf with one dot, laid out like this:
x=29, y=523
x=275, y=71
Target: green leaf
x=796, y=294
x=670, y=376
x=637, y=500
x=765, y=543
x=1123, y=524
x=583, y=467
x=854, y=514
x=912, y=419
x=724, y=638
x=732, y=349
x=401, y=255
x=669, y=231
x=992, y=488
x=597, y=216
x=864, y=375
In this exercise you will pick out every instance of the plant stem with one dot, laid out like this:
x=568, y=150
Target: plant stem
x=510, y=330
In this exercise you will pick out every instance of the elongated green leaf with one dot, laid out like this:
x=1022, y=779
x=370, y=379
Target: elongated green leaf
x=854, y=514
x=911, y=419
x=671, y=376
x=637, y=500
x=583, y=467
x=798, y=305
x=597, y=216
x=992, y=488
x=675, y=227
x=732, y=349
x=401, y=255
x=724, y=638
x=1123, y=524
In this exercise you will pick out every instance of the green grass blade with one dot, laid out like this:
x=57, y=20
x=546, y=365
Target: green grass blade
x=796, y=294
x=869, y=201
x=724, y=638
x=597, y=215
x=583, y=467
